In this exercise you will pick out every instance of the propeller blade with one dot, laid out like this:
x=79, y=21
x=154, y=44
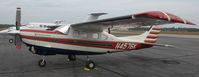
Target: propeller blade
x=18, y=41
x=18, y=18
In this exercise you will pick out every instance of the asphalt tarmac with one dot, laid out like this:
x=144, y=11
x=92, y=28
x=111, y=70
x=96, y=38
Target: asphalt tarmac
x=181, y=61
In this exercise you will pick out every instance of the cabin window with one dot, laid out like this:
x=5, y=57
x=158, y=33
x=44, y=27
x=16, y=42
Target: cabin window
x=80, y=34
x=83, y=35
x=95, y=35
x=40, y=25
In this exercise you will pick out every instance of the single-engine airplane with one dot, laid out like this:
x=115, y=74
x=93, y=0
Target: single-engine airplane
x=90, y=37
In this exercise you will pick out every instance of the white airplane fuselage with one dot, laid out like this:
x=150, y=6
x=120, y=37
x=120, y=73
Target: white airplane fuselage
x=75, y=42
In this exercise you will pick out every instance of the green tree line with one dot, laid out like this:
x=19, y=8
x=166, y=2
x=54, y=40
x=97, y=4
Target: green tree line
x=6, y=25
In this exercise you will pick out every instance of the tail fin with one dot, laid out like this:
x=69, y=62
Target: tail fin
x=152, y=34
x=149, y=37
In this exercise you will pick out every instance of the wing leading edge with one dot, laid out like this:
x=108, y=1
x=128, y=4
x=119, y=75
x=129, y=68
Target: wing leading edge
x=140, y=19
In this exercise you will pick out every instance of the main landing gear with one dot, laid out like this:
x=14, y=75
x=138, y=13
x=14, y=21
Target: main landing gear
x=42, y=62
x=89, y=63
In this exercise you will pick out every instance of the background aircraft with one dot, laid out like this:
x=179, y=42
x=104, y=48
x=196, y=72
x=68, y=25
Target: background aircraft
x=33, y=25
x=90, y=37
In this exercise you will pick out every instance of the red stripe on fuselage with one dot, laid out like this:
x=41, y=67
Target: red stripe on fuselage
x=41, y=31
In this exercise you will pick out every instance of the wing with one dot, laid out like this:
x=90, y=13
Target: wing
x=140, y=19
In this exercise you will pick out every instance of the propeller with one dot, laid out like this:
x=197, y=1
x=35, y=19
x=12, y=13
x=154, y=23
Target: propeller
x=18, y=41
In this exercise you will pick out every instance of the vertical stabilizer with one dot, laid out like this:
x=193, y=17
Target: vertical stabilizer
x=152, y=34
x=149, y=36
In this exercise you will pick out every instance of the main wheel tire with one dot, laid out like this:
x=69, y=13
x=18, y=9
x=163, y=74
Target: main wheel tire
x=11, y=41
x=42, y=63
x=90, y=64
x=72, y=57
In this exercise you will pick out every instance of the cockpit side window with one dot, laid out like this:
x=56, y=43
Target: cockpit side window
x=76, y=33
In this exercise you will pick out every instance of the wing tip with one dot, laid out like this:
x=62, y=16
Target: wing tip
x=164, y=16
x=190, y=23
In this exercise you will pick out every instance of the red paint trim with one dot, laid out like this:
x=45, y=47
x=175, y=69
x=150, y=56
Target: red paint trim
x=18, y=8
x=160, y=15
x=146, y=41
x=18, y=46
x=156, y=29
x=41, y=31
x=154, y=32
x=152, y=37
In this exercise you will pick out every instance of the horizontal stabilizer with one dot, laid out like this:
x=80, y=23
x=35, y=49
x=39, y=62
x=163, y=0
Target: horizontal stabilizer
x=162, y=45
